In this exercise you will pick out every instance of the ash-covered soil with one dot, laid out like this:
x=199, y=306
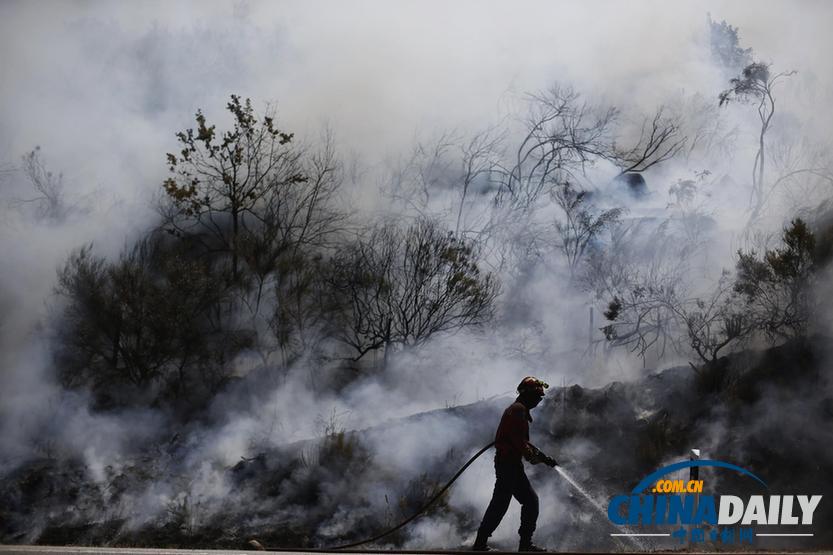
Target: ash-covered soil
x=345, y=486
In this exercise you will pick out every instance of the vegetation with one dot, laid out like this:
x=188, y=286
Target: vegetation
x=778, y=287
x=756, y=84
x=221, y=184
x=262, y=283
x=260, y=258
x=770, y=295
x=150, y=328
x=254, y=260
x=400, y=286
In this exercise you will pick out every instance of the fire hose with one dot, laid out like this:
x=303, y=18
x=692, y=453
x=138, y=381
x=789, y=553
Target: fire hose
x=537, y=455
x=424, y=507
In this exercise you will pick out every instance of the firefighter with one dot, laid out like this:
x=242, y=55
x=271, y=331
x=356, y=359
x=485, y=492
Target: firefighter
x=512, y=446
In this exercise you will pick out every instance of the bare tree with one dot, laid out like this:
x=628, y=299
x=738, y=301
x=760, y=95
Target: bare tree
x=479, y=162
x=770, y=295
x=425, y=170
x=302, y=319
x=363, y=280
x=689, y=214
x=639, y=315
x=645, y=269
x=401, y=286
x=802, y=165
x=707, y=324
x=708, y=133
x=659, y=140
x=563, y=134
x=713, y=322
x=284, y=254
x=49, y=200
x=449, y=165
x=294, y=221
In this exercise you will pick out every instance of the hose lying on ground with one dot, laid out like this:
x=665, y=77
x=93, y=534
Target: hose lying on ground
x=424, y=507
x=257, y=545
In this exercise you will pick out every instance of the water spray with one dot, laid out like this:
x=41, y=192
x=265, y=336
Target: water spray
x=595, y=504
x=541, y=457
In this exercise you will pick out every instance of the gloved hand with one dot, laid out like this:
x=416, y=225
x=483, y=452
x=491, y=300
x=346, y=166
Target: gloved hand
x=533, y=456
x=536, y=456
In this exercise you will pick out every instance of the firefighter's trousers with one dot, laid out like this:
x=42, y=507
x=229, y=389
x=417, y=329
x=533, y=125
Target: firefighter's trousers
x=511, y=481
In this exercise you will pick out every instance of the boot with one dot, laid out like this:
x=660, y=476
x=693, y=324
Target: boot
x=527, y=546
x=480, y=543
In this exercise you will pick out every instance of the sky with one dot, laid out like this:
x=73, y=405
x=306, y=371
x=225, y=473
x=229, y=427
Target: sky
x=83, y=79
x=102, y=87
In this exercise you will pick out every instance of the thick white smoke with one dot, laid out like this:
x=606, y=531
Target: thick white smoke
x=102, y=87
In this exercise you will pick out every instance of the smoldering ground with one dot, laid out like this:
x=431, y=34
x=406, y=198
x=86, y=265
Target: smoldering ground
x=102, y=89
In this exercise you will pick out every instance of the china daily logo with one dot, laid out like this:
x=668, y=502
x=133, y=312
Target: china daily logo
x=681, y=505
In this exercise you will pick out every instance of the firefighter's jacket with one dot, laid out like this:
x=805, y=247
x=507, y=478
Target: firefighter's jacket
x=512, y=438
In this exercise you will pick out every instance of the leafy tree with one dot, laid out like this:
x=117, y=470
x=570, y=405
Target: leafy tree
x=400, y=286
x=725, y=46
x=778, y=286
x=770, y=294
x=148, y=328
x=756, y=84
x=220, y=184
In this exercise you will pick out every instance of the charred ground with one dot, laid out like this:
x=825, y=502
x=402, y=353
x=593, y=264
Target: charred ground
x=609, y=438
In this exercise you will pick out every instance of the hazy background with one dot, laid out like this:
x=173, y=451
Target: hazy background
x=102, y=87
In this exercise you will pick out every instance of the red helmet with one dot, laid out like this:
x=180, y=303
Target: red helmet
x=532, y=384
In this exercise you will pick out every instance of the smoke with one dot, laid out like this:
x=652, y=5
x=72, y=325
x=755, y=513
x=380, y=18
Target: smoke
x=102, y=88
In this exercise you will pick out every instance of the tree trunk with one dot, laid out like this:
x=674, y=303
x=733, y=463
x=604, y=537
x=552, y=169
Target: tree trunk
x=386, y=347
x=235, y=217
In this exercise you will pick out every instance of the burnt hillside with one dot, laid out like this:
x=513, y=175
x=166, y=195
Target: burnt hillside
x=345, y=486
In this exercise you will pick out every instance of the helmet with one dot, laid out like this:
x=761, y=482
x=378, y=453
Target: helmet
x=530, y=384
